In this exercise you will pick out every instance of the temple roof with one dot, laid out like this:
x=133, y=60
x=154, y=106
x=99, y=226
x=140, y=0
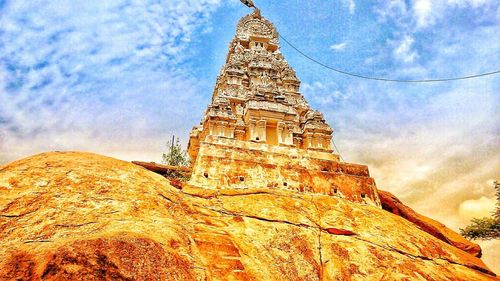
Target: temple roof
x=254, y=25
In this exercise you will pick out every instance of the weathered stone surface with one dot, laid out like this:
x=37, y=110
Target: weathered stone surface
x=82, y=216
x=118, y=257
x=227, y=163
x=435, y=228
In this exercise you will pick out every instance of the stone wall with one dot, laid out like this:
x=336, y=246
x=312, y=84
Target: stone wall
x=227, y=163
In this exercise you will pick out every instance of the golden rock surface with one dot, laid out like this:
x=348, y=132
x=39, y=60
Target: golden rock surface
x=394, y=205
x=81, y=216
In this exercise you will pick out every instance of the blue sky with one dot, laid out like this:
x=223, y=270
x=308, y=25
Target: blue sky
x=120, y=77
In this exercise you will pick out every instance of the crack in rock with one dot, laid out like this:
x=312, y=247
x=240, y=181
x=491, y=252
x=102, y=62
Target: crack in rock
x=76, y=225
x=424, y=257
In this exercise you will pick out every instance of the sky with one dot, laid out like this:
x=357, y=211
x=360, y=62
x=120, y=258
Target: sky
x=121, y=77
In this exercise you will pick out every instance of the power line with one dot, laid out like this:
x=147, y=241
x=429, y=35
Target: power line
x=386, y=79
x=338, y=151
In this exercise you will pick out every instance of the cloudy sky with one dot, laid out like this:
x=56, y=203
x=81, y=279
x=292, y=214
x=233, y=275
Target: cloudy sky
x=121, y=77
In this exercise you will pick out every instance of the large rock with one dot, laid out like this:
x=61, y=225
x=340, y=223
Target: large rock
x=80, y=216
x=392, y=204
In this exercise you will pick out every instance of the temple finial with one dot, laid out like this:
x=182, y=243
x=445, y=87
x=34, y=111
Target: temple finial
x=248, y=3
x=256, y=13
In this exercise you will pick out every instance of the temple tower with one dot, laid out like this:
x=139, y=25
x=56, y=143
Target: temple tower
x=256, y=96
x=259, y=131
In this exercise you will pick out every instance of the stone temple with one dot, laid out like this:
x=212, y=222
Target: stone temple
x=260, y=132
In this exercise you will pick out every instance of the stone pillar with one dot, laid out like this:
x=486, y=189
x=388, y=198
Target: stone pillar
x=289, y=134
x=281, y=128
x=319, y=141
x=218, y=129
x=210, y=128
x=308, y=141
x=239, y=134
x=223, y=129
x=314, y=141
x=326, y=142
x=231, y=128
x=253, y=129
x=261, y=125
x=215, y=128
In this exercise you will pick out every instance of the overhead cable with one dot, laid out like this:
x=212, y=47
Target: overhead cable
x=386, y=79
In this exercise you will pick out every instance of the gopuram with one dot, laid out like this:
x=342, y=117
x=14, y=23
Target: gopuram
x=260, y=132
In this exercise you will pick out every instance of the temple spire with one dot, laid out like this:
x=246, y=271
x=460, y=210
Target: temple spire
x=257, y=96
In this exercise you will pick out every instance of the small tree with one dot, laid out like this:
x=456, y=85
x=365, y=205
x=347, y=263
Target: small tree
x=485, y=228
x=176, y=156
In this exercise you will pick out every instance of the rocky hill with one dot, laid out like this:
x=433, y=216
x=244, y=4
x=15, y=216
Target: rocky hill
x=81, y=216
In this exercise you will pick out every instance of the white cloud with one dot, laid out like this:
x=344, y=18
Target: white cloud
x=351, y=5
x=80, y=75
x=323, y=94
x=391, y=9
x=471, y=3
x=339, y=47
x=404, y=51
x=423, y=12
x=427, y=12
x=477, y=208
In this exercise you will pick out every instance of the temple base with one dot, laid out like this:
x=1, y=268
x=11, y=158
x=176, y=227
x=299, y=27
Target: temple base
x=229, y=163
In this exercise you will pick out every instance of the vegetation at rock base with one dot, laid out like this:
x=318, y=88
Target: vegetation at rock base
x=485, y=228
x=176, y=156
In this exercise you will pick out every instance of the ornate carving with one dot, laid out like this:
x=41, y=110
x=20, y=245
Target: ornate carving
x=258, y=88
